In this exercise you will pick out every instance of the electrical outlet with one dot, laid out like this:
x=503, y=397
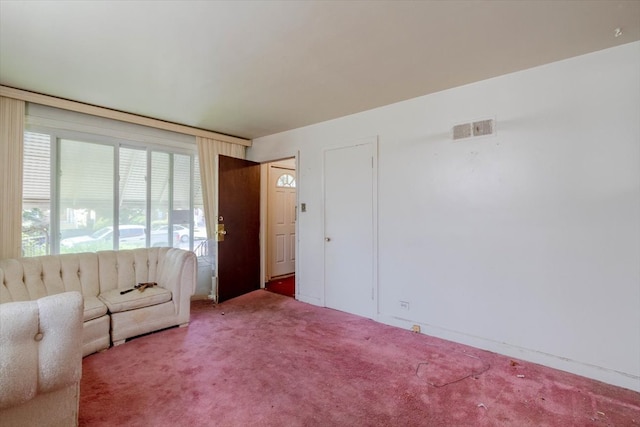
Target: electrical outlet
x=404, y=305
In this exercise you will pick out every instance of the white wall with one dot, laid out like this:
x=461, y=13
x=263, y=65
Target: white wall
x=526, y=243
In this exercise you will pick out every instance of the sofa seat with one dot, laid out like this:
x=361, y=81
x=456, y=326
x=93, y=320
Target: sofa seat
x=117, y=302
x=93, y=308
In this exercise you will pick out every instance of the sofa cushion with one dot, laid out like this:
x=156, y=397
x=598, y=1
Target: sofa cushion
x=40, y=347
x=133, y=300
x=18, y=352
x=93, y=308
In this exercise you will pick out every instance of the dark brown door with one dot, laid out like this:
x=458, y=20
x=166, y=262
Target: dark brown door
x=239, y=211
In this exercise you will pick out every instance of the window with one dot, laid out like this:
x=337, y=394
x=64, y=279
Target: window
x=132, y=192
x=147, y=190
x=85, y=188
x=286, y=181
x=36, y=194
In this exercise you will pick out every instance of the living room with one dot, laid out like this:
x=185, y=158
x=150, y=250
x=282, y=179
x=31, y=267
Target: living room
x=517, y=236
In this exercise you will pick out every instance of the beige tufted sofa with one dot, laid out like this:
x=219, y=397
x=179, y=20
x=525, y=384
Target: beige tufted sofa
x=41, y=361
x=109, y=317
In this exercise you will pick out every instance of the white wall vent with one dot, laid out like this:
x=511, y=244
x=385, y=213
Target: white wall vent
x=477, y=128
x=462, y=131
x=483, y=127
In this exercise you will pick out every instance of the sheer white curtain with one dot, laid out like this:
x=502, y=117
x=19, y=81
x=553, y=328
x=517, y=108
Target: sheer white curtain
x=208, y=151
x=11, y=149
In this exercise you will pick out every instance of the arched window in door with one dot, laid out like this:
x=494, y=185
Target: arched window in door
x=286, y=181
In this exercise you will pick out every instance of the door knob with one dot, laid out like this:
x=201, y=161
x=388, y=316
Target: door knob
x=220, y=233
x=327, y=239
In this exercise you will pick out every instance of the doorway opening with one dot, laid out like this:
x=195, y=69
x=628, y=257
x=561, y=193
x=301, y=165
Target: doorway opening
x=281, y=216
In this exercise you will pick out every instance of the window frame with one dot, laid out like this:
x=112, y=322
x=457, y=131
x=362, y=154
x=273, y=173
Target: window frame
x=56, y=134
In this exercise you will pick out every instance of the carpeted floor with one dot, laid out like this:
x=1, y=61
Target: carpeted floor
x=267, y=360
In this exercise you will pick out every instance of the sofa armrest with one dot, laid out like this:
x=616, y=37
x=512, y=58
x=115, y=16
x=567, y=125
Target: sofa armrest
x=40, y=346
x=179, y=275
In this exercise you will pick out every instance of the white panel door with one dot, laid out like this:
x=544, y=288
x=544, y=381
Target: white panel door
x=349, y=229
x=282, y=221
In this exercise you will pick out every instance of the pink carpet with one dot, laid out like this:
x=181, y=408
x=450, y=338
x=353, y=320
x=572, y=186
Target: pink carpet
x=267, y=360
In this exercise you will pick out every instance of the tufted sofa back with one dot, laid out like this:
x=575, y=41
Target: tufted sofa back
x=27, y=279
x=122, y=269
x=40, y=349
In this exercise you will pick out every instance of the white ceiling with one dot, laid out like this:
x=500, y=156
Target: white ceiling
x=254, y=68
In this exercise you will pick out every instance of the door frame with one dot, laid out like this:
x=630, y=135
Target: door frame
x=280, y=166
x=264, y=196
x=373, y=141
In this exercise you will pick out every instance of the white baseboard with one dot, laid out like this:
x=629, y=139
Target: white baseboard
x=609, y=376
x=309, y=300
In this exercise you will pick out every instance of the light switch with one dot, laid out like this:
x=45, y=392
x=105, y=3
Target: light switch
x=303, y=207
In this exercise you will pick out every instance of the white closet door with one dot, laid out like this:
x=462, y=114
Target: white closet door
x=349, y=229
